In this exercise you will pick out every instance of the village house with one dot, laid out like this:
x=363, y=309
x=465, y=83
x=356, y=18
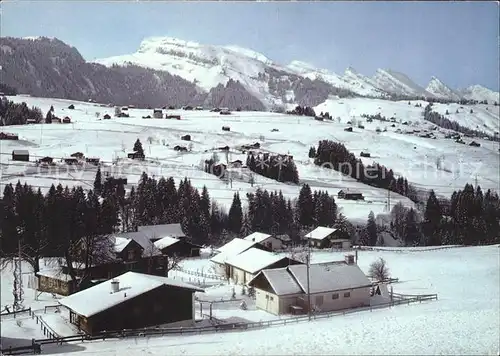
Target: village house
x=171, y=246
x=158, y=113
x=333, y=287
x=232, y=248
x=47, y=160
x=269, y=241
x=21, y=155
x=136, y=155
x=326, y=237
x=156, y=232
x=132, y=301
x=350, y=195
x=244, y=267
x=78, y=155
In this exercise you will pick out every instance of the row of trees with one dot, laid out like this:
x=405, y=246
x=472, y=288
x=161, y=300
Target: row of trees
x=278, y=167
x=335, y=155
x=17, y=113
x=302, y=111
x=442, y=121
x=469, y=217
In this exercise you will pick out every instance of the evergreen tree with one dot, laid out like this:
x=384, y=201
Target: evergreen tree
x=235, y=218
x=411, y=234
x=305, y=206
x=97, y=182
x=371, y=230
x=432, y=220
x=138, y=148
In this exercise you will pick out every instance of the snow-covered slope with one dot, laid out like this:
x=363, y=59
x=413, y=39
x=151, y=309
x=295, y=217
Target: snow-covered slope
x=480, y=93
x=397, y=83
x=440, y=90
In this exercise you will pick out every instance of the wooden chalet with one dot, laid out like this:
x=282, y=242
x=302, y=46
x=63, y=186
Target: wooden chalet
x=8, y=136
x=47, y=159
x=171, y=246
x=66, y=120
x=326, y=237
x=106, y=117
x=71, y=161
x=350, y=195
x=136, y=155
x=57, y=282
x=158, y=113
x=156, y=232
x=132, y=301
x=21, y=155
x=176, y=117
x=78, y=155
x=93, y=160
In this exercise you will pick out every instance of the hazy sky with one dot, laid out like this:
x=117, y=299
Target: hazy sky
x=456, y=41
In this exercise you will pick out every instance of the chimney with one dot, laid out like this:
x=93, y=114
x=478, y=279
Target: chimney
x=115, y=286
x=349, y=259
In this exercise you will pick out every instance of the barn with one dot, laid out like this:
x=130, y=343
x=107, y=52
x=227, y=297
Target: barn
x=21, y=155
x=106, y=117
x=158, y=113
x=132, y=301
x=334, y=286
x=55, y=281
x=46, y=159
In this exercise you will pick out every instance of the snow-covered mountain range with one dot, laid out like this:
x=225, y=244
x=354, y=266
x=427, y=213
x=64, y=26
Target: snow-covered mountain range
x=208, y=66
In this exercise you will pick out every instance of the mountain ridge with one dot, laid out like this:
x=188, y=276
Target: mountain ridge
x=202, y=75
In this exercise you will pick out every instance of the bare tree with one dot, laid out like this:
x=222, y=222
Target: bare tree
x=297, y=254
x=379, y=270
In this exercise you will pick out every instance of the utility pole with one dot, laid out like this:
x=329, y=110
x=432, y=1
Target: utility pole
x=388, y=200
x=308, y=279
x=475, y=180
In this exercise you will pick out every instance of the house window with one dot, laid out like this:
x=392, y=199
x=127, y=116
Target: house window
x=271, y=299
x=130, y=255
x=335, y=296
x=267, y=296
x=347, y=294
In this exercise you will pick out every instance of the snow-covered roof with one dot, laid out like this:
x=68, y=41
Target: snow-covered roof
x=232, y=248
x=257, y=237
x=329, y=278
x=282, y=281
x=98, y=298
x=254, y=260
x=159, y=231
x=320, y=233
x=121, y=243
x=149, y=249
x=55, y=273
x=165, y=242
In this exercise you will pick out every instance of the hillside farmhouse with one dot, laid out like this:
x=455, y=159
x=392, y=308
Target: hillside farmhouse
x=326, y=237
x=21, y=155
x=171, y=246
x=350, y=195
x=269, y=241
x=245, y=266
x=232, y=248
x=332, y=287
x=131, y=301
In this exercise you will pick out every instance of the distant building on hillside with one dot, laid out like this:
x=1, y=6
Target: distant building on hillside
x=21, y=155
x=350, y=195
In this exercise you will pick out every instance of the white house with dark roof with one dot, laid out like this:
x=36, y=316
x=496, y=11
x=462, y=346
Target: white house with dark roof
x=326, y=237
x=267, y=240
x=245, y=266
x=332, y=287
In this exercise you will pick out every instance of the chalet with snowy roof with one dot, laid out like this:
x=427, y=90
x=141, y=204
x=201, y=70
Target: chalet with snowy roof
x=21, y=155
x=269, y=241
x=158, y=113
x=350, y=194
x=132, y=301
x=55, y=281
x=156, y=232
x=233, y=248
x=334, y=286
x=326, y=237
x=171, y=246
x=244, y=267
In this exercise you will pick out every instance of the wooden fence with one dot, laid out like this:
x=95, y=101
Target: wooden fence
x=15, y=312
x=54, y=339
x=201, y=274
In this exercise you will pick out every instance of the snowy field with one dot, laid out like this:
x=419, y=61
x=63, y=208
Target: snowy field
x=110, y=140
x=464, y=320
